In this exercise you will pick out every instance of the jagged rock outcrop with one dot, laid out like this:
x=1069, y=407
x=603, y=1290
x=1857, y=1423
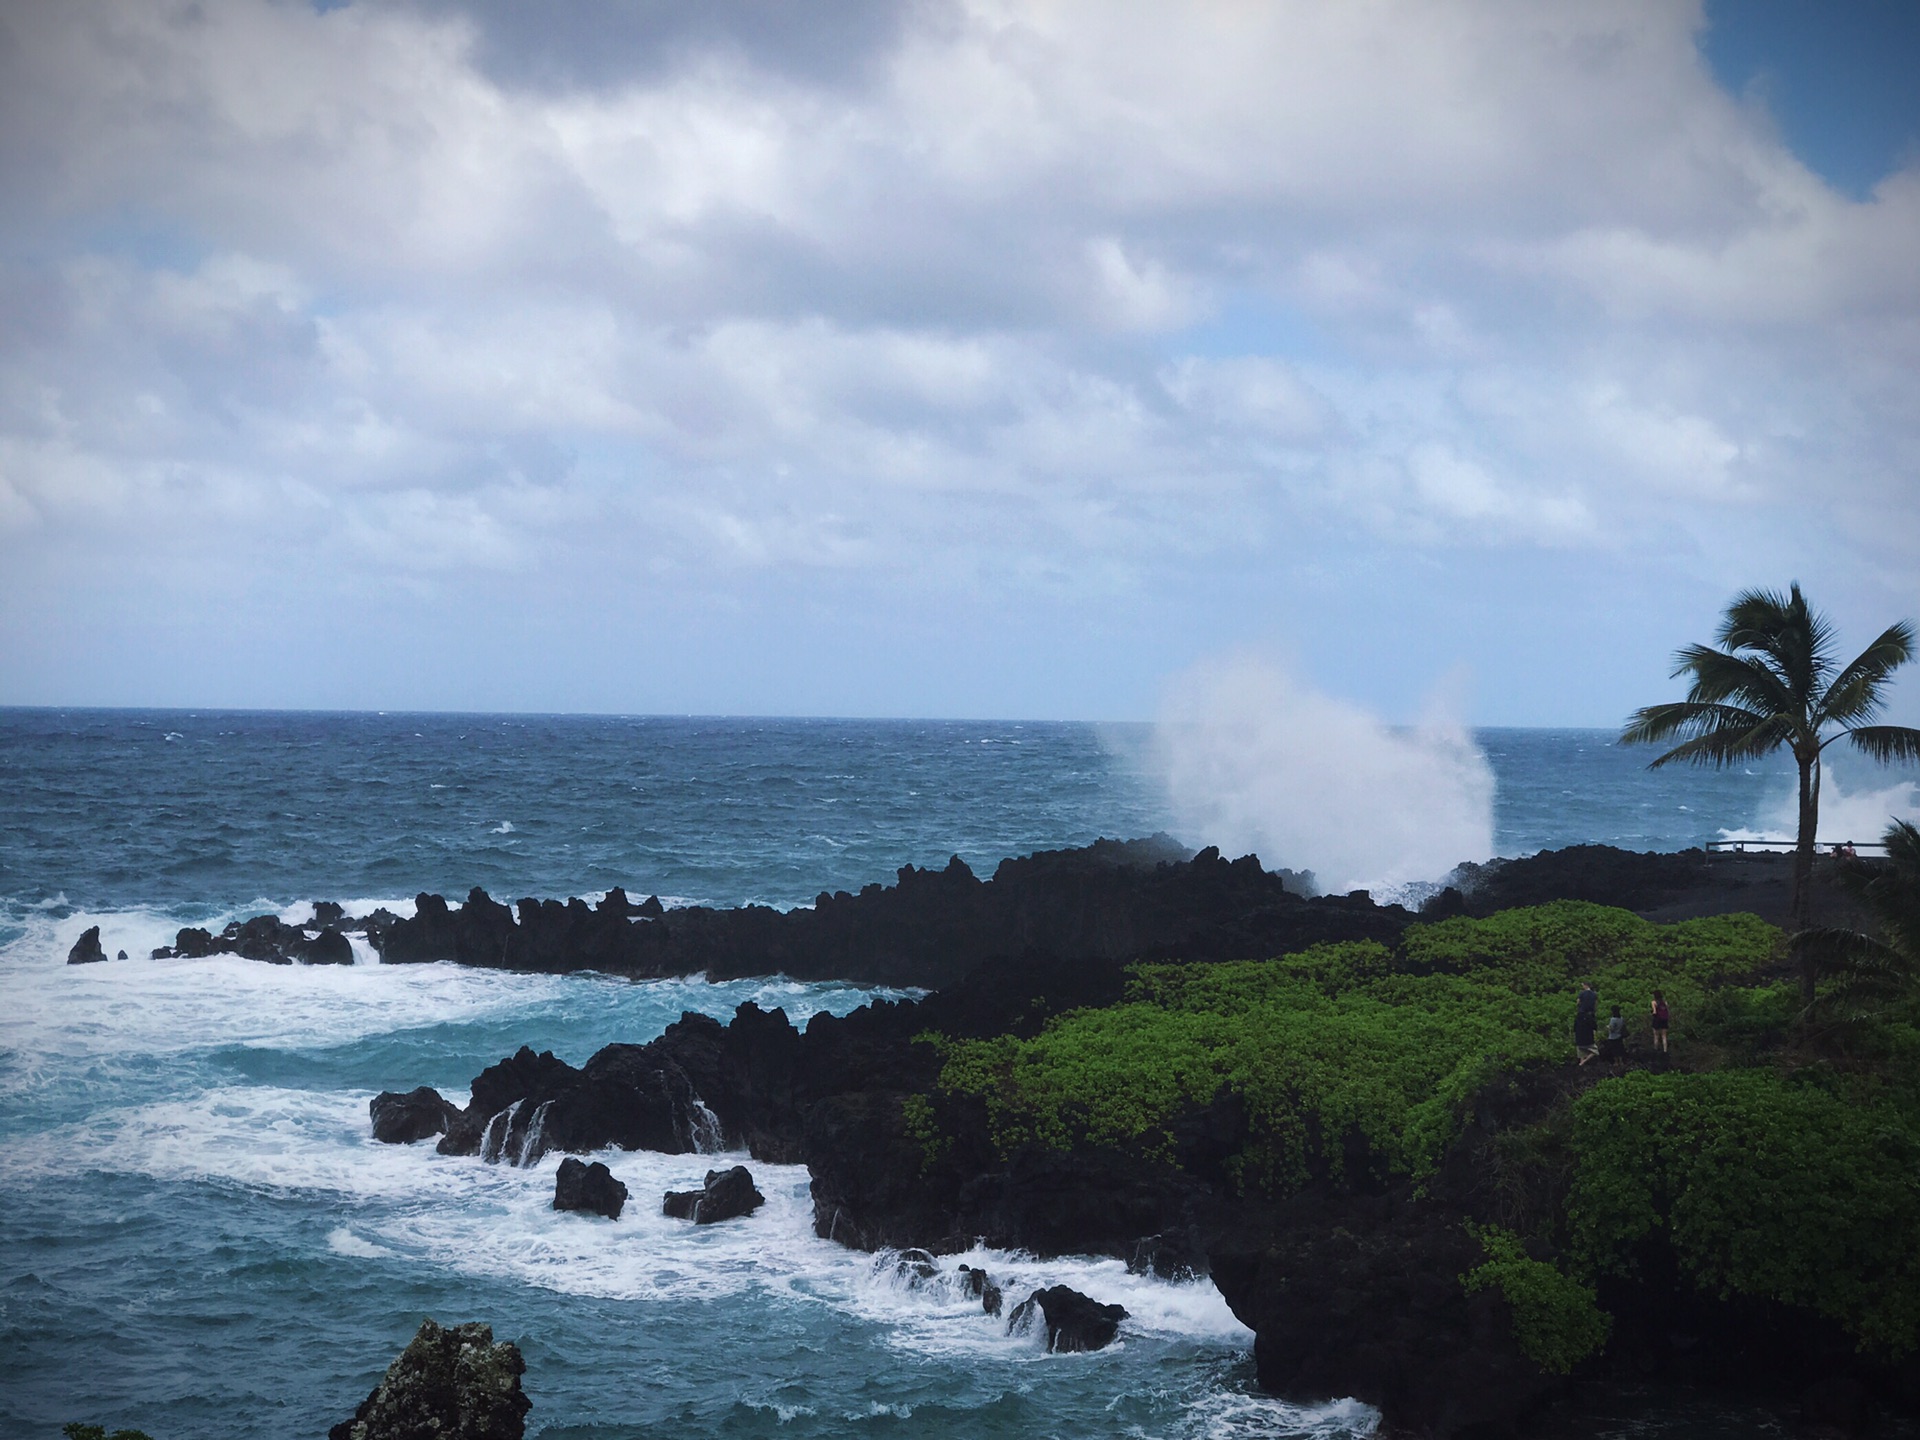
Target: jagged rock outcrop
x=1098, y=906
x=1659, y=885
x=635, y=1097
x=264, y=937
x=726, y=1195
x=453, y=1382
x=590, y=1188
x=86, y=950
x=419, y=1114
x=1073, y=1322
x=1109, y=900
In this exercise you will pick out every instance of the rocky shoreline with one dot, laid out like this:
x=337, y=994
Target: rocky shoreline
x=1110, y=901
x=1351, y=1280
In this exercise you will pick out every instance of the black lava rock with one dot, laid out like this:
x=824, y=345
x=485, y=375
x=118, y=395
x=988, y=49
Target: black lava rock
x=401, y=1119
x=1172, y=1255
x=727, y=1193
x=329, y=947
x=1074, y=1322
x=448, y=1382
x=977, y=1283
x=86, y=950
x=590, y=1188
x=192, y=943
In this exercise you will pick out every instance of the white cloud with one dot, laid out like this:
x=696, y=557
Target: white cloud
x=984, y=309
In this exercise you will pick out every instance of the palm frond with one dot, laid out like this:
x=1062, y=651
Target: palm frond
x=1849, y=952
x=1754, y=617
x=1655, y=724
x=1869, y=970
x=1785, y=628
x=1718, y=676
x=1857, y=692
x=1864, y=973
x=1890, y=890
x=1721, y=736
x=1888, y=744
x=1903, y=850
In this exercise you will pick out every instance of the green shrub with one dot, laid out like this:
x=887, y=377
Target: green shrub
x=917, y=1112
x=1746, y=1020
x=75, y=1430
x=1557, y=1321
x=1339, y=1038
x=1764, y=1187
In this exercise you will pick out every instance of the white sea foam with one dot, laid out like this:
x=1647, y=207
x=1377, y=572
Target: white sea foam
x=147, y=1007
x=461, y=1214
x=297, y=1151
x=1221, y=1414
x=343, y=1241
x=167, y=1007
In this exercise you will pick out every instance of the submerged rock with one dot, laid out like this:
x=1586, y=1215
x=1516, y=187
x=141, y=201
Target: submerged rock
x=1074, y=1322
x=86, y=950
x=264, y=937
x=977, y=1283
x=589, y=1188
x=915, y=1267
x=455, y=1383
x=727, y=1193
x=420, y=1114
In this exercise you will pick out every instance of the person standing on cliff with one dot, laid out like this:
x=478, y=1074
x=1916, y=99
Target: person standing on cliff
x=1616, y=1047
x=1584, y=1014
x=1662, y=1020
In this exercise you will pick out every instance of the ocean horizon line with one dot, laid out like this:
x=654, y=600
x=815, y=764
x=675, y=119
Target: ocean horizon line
x=402, y=712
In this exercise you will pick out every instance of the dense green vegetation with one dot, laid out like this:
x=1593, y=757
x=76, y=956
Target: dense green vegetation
x=1774, y=1167
x=1343, y=1037
x=1556, y=1319
x=1769, y=1186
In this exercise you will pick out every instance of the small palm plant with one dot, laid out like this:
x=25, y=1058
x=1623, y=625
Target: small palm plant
x=1870, y=971
x=1773, y=682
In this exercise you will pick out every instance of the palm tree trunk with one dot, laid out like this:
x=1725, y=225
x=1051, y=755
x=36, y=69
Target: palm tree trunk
x=1802, y=913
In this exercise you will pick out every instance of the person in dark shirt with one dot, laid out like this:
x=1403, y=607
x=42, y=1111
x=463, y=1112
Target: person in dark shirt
x=1662, y=1020
x=1584, y=1013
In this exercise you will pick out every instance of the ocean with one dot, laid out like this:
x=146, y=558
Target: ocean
x=199, y=1238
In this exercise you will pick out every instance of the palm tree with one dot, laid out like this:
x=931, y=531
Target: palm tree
x=1773, y=682
x=1872, y=970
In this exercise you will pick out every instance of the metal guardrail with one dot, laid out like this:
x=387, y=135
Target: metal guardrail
x=1827, y=848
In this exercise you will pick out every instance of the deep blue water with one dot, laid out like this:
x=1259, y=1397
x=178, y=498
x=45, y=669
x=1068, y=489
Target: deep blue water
x=198, y=1237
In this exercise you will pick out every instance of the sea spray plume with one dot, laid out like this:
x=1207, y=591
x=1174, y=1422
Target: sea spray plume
x=1255, y=760
x=1845, y=814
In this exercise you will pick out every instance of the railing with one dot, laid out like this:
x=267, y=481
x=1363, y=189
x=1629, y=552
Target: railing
x=1827, y=848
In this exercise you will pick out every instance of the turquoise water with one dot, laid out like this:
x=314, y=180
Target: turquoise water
x=199, y=1237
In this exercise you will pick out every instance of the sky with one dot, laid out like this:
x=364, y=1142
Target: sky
x=967, y=359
